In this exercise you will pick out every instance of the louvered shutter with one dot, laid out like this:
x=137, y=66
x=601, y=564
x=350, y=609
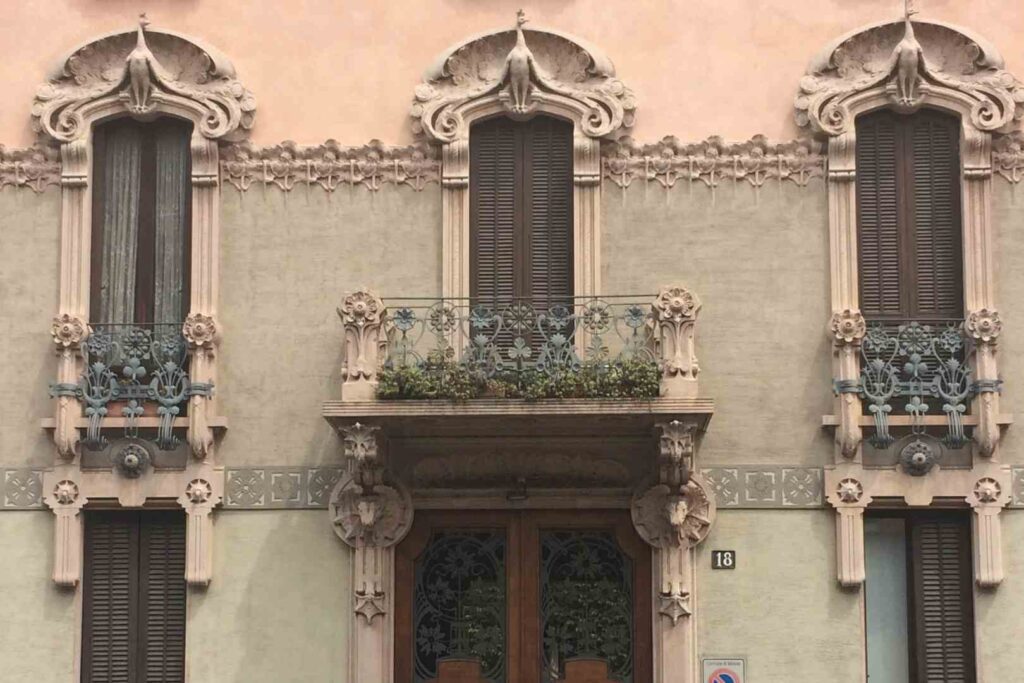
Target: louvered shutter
x=550, y=214
x=495, y=211
x=878, y=206
x=943, y=614
x=935, y=169
x=162, y=597
x=110, y=588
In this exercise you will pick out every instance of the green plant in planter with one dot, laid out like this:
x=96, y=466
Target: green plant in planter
x=446, y=379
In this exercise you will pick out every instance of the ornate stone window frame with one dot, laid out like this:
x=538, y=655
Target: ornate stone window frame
x=140, y=74
x=905, y=65
x=544, y=72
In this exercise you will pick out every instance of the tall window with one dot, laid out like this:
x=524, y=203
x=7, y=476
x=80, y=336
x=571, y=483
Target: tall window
x=908, y=213
x=140, y=222
x=133, y=611
x=919, y=598
x=523, y=597
x=521, y=189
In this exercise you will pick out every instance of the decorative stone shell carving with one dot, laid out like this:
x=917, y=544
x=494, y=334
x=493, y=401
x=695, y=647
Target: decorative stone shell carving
x=911, y=62
x=134, y=70
x=556, y=66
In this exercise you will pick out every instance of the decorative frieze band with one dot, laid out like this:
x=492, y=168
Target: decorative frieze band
x=755, y=161
x=1008, y=156
x=32, y=167
x=330, y=166
x=270, y=488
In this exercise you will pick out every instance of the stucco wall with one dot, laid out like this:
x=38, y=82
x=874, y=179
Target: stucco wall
x=347, y=69
x=278, y=607
x=29, y=274
x=758, y=259
x=780, y=608
x=997, y=613
x=1008, y=220
x=38, y=640
x=286, y=262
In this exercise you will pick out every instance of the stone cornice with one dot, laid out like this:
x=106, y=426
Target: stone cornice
x=668, y=161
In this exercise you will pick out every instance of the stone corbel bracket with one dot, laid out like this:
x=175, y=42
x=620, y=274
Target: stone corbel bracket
x=674, y=516
x=371, y=513
x=197, y=489
x=908, y=64
x=675, y=312
x=847, y=328
x=362, y=314
x=986, y=489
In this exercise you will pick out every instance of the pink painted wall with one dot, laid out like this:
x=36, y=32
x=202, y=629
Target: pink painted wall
x=346, y=70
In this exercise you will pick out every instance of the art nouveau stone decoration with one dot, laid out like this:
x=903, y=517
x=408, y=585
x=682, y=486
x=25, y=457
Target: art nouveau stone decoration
x=669, y=161
x=675, y=315
x=674, y=516
x=330, y=166
x=371, y=514
x=141, y=74
x=520, y=73
x=34, y=167
x=906, y=65
x=361, y=314
x=1008, y=156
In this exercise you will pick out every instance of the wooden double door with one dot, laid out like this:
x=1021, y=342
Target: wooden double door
x=523, y=597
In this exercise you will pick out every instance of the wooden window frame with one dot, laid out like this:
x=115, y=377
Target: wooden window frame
x=522, y=615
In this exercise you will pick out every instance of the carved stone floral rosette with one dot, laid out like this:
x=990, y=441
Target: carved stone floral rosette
x=132, y=71
x=848, y=327
x=675, y=314
x=201, y=331
x=983, y=325
x=519, y=67
x=68, y=331
x=361, y=313
x=910, y=63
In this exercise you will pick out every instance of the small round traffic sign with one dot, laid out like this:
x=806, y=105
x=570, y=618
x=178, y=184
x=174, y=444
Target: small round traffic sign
x=724, y=676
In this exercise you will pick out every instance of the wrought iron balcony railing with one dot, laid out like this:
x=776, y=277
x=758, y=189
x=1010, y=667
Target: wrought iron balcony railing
x=584, y=347
x=917, y=369
x=131, y=371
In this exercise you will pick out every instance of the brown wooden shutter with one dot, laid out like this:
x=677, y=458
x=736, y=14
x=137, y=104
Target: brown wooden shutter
x=938, y=262
x=548, y=162
x=162, y=595
x=495, y=209
x=878, y=206
x=943, y=599
x=110, y=589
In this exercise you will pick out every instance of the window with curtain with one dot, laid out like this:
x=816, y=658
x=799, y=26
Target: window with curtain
x=141, y=222
x=919, y=597
x=521, y=205
x=908, y=215
x=133, y=600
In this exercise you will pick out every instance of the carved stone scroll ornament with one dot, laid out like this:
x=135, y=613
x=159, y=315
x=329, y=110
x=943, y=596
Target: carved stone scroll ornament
x=519, y=68
x=908, y=63
x=361, y=313
x=134, y=71
x=675, y=315
x=669, y=161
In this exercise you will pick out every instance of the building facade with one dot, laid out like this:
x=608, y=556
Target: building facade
x=658, y=342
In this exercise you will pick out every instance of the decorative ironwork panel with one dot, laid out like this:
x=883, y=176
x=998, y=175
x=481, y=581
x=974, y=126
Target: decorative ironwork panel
x=459, y=602
x=916, y=369
x=586, y=603
x=129, y=368
x=587, y=347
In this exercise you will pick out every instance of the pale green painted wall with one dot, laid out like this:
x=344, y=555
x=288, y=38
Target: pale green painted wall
x=758, y=260
x=29, y=274
x=278, y=605
x=1008, y=220
x=287, y=259
x=38, y=621
x=998, y=613
x=780, y=608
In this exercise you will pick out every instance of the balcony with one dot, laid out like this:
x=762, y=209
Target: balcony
x=133, y=378
x=624, y=360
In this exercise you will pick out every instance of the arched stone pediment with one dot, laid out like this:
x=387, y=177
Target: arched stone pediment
x=561, y=75
x=905, y=65
x=143, y=72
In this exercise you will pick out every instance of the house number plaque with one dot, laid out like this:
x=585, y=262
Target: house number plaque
x=723, y=559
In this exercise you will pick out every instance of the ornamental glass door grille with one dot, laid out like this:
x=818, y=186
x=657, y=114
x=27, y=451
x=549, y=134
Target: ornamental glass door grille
x=524, y=596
